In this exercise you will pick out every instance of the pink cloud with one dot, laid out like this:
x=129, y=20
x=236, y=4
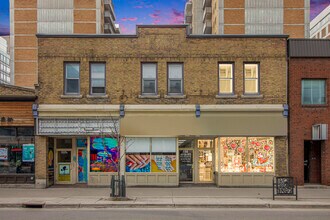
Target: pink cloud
x=176, y=17
x=129, y=19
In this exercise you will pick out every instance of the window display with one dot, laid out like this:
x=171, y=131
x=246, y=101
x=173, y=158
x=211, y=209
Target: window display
x=103, y=154
x=151, y=155
x=241, y=154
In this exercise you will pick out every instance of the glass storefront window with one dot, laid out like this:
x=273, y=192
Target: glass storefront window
x=242, y=154
x=261, y=154
x=151, y=155
x=16, y=159
x=103, y=154
x=63, y=143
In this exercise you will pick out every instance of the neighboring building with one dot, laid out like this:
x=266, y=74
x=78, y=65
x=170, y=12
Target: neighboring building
x=16, y=135
x=249, y=17
x=29, y=17
x=4, y=62
x=189, y=115
x=309, y=95
x=320, y=25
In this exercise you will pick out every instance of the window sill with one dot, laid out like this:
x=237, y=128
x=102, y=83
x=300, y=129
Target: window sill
x=252, y=96
x=97, y=96
x=175, y=96
x=71, y=96
x=149, y=96
x=229, y=96
x=315, y=106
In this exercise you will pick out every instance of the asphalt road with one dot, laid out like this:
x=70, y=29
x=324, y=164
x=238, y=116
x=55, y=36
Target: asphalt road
x=159, y=214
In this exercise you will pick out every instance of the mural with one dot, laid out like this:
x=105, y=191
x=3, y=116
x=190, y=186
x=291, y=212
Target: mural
x=103, y=154
x=82, y=166
x=163, y=163
x=137, y=163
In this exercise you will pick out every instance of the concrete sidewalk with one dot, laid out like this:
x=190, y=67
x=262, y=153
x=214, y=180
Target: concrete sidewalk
x=210, y=197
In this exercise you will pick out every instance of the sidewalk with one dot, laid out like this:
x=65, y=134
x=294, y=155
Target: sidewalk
x=181, y=197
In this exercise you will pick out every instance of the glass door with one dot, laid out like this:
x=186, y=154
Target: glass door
x=64, y=166
x=205, y=160
x=186, y=165
x=82, y=165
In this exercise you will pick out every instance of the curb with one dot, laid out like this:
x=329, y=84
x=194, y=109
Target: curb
x=104, y=206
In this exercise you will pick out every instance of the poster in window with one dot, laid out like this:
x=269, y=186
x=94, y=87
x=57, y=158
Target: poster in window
x=64, y=172
x=28, y=153
x=163, y=163
x=3, y=154
x=137, y=163
x=103, y=154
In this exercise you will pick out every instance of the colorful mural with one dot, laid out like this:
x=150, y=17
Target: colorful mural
x=82, y=166
x=163, y=163
x=137, y=163
x=103, y=154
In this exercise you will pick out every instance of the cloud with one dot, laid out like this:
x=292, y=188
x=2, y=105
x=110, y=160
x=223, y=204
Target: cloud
x=176, y=17
x=155, y=15
x=129, y=19
x=138, y=6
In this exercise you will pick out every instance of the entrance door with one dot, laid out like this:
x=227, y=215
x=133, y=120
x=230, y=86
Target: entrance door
x=64, y=166
x=205, y=160
x=186, y=165
x=312, y=162
x=82, y=165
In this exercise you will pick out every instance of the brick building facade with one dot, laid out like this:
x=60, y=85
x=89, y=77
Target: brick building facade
x=181, y=104
x=309, y=71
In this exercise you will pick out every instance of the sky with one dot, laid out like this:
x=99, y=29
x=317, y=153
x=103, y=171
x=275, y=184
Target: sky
x=132, y=12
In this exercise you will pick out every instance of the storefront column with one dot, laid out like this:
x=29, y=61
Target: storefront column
x=281, y=156
x=40, y=162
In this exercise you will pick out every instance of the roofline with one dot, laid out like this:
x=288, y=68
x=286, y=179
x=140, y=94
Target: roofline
x=308, y=39
x=17, y=87
x=17, y=98
x=159, y=26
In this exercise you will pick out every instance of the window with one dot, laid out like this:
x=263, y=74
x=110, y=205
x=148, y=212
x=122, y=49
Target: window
x=151, y=155
x=313, y=92
x=246, y=154
x=104, y=155
x=175, y=76
x=251, y=78
x=72, y=75
x=226, y=79
x=149, y=79
x=97, y=78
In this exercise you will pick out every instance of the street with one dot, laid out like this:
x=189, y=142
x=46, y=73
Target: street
x=170, y=213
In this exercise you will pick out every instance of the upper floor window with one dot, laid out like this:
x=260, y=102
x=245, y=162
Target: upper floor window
x=251, y=78
x=97, y=78
x=72, y=78
x=313, y=92
x=175, y=78
x=149, y=78
x=226, y=78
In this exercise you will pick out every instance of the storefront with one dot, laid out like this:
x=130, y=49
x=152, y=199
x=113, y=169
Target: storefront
x=232, y=148
x=17, y=142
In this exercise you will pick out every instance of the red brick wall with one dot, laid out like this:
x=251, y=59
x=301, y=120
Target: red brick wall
x=302, y=118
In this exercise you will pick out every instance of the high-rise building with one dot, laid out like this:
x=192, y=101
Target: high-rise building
x=320, y=25
x=4, y=62
x=29, y=17
x=249, y=17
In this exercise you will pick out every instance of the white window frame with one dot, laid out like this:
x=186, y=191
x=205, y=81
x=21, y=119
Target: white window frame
x=231, y=78
x=155, y=79
x=174, y=79
x=91, y=78
x=66, y=78
x=257, y=79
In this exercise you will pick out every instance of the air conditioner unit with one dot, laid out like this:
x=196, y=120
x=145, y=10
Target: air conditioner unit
x=320, y=132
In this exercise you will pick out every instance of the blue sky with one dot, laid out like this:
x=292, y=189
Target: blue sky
x=132, y=12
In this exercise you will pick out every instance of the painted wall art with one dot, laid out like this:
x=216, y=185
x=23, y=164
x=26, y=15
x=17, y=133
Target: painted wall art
x=137, y=163
x=163, y=163
x=103, y=154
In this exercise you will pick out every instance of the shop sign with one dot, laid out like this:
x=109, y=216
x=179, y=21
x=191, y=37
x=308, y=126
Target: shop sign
x=3, y=154
x=28, y=153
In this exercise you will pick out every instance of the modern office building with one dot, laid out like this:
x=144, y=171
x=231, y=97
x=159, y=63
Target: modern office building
x=309, y=95
x=320, y=25
x=29, y=17
x=289, y=17
x=4, y=62
x=226, y=126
